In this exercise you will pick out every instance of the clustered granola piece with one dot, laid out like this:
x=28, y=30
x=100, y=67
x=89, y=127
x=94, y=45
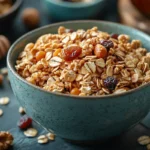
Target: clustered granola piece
x=85, y=62
x=6, y=140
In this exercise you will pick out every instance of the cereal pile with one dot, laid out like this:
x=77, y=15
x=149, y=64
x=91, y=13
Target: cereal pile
x=85, y=63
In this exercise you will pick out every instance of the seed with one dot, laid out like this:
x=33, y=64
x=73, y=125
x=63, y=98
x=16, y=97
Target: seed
x=4, y=71
x=21, y=110
x=42, y=139
x=144, y=140
x=51, y=136
x=4, y=101
x=148, y=147
x=31, y=132
x=1, y=112
x=40, y=55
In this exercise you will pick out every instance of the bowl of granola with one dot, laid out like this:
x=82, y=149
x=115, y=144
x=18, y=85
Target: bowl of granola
x=83, y=80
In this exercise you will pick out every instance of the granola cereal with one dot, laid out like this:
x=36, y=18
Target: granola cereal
x=85, y=62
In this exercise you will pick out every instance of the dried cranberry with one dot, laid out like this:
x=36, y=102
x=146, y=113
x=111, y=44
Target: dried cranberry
x=114, y=36
x=71, y=52
x=110, y=83
x=107, y=44
x=24, y=122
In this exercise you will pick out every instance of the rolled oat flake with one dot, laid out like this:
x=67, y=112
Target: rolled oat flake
x=4, y=101
x=30, y=132
x=144, y=140
x=1, y=112
x=42, y=139
x=51, y=136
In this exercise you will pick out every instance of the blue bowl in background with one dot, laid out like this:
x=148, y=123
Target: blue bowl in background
x=61, y=10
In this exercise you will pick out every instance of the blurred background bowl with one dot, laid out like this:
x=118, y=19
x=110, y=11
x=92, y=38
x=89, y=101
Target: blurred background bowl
x=143, y=6
x=7, y=18
x=59, y=10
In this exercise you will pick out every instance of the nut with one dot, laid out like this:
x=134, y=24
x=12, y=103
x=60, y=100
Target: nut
x=31, y=17
x=6, y=140
x=4, y=46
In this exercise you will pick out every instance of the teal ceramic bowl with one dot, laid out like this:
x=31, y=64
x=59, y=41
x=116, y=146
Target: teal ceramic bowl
x=80, y=118
x=60, y=10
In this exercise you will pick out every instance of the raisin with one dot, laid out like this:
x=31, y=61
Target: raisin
x=107, y=44
x=72, y=52
x=110, y=83
x=114, y=36
x=24, y=122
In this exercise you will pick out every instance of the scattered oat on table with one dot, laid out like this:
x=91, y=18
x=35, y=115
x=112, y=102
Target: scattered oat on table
x=6, y=140
x=1, y=112
x=42, y=139
x=4, y=71
x=31, y=132
x=4, y=100
x=51, y=136
x=144, y=140
x=22, y=110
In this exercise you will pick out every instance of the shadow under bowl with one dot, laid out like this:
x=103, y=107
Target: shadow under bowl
x=80, y=118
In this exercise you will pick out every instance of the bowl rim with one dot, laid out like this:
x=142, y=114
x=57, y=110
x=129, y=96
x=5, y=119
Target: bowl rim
x=11, y=67
x=74, y=5
x=14, y=7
